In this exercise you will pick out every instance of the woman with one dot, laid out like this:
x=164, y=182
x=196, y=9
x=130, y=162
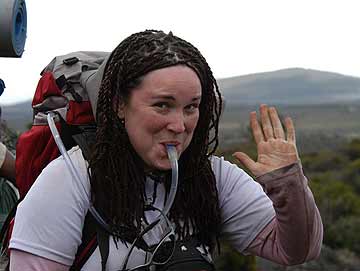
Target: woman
x=158, y=89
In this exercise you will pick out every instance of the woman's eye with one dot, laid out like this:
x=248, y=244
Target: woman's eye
x=162, y=106
x=192, y=108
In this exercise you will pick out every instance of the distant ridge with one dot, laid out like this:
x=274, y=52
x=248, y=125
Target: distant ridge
x=294, y=86
x=17, y=116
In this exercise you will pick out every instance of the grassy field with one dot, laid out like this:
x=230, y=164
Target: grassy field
x=317, y=127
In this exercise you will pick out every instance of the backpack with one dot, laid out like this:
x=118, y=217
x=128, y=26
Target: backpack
x=69, y=85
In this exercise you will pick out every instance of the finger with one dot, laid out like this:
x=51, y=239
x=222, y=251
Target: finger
x=246, y=161
x=256, y=129
x=290, y=130
x=265, y=122
x=276, y=123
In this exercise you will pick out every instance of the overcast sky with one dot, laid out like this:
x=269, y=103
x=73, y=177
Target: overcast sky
x=236, y=37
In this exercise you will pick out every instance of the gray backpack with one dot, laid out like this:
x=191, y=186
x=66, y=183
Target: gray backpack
x=68, y=86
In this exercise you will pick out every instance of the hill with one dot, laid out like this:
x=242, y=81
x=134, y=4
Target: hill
x=293, y=86
x=17, y=116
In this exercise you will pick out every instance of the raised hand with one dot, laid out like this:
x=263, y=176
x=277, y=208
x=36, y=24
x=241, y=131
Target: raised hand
x=275, y=148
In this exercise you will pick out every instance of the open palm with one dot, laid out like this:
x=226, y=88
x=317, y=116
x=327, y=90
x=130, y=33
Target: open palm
x=275, y=148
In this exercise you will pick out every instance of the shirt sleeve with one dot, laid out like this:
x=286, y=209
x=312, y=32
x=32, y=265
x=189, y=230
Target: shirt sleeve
x=296, y=233
x=21, y=260
x=245, y=208
x=49, y=221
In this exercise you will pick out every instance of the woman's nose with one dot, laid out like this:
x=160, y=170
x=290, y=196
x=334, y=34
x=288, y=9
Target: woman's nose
x=177, y=123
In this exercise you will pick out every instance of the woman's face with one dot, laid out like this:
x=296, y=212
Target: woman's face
x=163, y=109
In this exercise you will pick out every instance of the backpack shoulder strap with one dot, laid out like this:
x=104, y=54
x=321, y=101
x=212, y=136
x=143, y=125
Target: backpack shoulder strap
x=84, y=136
x=103, y=242
x=88, y=243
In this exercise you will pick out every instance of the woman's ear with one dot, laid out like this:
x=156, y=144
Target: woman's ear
x=119, y=107
x=121, y=110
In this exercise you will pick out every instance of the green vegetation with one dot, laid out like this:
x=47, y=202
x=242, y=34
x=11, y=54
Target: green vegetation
x=335, y=182
x=320, y=127
x=231, y=260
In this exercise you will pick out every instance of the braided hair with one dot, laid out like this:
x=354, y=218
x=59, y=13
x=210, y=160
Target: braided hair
x=117, y=172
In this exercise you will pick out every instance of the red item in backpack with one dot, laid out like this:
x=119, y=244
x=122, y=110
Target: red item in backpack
x=36, y=147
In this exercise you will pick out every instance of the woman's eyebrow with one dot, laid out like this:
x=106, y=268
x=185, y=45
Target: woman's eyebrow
x=169, y=97
x=196, y=98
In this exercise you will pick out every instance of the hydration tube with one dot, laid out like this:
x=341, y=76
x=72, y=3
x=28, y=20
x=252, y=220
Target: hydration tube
x=172, y=154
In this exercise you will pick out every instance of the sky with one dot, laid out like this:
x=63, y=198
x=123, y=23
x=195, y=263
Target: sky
x=236, y=37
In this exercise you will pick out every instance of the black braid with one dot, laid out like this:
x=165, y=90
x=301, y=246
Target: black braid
x=118, y=176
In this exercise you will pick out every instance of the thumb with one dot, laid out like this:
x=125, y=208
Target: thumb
x=245, y=160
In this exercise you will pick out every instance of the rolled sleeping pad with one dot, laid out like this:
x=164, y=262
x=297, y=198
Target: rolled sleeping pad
x=2, y=87
x=12, y=27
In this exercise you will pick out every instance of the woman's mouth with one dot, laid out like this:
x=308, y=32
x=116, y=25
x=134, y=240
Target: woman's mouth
x=174, y=143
